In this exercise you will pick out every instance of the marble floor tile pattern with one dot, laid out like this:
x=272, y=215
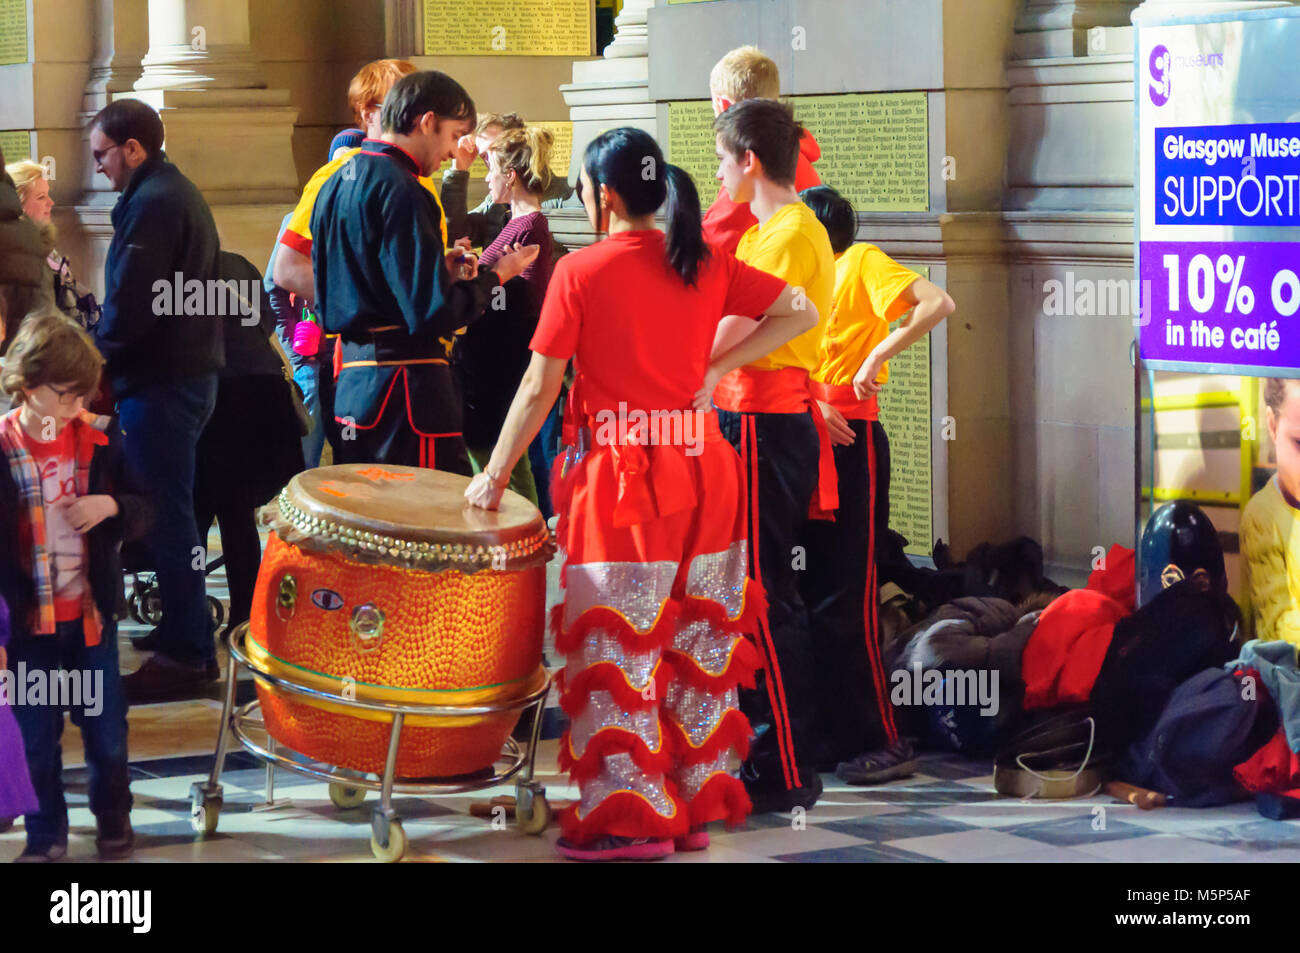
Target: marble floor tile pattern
x=923, y=819
x=948, y=812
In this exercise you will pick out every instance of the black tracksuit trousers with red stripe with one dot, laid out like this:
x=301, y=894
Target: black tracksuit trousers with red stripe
x=780, y=453
x=853, y=714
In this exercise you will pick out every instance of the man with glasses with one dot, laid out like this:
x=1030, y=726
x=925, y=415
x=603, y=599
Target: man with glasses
x=163, y=369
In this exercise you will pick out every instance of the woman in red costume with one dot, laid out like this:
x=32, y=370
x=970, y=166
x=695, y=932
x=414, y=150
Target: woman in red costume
x=656, y=600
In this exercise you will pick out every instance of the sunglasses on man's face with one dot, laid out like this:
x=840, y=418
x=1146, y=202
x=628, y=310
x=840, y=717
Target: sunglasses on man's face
x=99, y=154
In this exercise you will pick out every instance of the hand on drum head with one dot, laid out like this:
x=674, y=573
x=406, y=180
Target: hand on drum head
x=484, y=493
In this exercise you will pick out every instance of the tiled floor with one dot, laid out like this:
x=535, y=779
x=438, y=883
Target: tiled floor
x=947, y=812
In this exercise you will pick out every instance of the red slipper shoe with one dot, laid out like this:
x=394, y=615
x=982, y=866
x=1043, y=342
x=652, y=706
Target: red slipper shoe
x=697, y=839
x=616, y=848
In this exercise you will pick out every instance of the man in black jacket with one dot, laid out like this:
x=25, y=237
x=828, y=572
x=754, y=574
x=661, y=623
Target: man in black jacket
x=163, y=347
x=382, y=283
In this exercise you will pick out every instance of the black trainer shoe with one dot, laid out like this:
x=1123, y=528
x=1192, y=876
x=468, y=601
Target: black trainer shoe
x=161, y=679
x=150, y=642
x=769, y=795
x=114, y=838
x=46, y=854
x=877, y=767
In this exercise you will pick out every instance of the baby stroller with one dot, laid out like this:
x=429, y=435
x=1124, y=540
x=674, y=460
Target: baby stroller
x=145, y=599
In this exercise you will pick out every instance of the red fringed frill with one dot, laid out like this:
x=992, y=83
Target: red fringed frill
x=608, y=677
x=722, y=798
x=732, y=734
x=625, y=814
x=603, y=617
x=754, y=608
x=745, y=659
x=744, y=662
x=609, y=741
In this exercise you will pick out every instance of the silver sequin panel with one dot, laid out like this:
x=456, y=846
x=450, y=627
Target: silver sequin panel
x=698, y=712
x=692, y=779
x=620, y=773
x=709, y=647
x=636, y=590
x=721, y=577
x=603, y=711
x=602, y=645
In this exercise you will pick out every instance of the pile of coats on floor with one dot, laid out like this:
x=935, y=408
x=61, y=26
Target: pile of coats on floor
x=1167, y=697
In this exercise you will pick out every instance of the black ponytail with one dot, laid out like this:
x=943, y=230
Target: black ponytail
x=686, y=247
x=629, y=161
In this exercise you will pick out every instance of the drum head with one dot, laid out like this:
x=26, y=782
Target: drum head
x=410, y=516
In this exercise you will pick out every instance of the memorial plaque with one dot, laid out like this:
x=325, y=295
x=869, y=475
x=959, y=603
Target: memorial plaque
x=507, y=28
x=561, y=150
x=875, y=146
x=13, y=32
x=16, y=144
x=906, y=414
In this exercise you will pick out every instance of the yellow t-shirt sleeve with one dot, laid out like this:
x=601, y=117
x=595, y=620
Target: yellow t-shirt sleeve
x=429, y=184
x=787, y=255
x=885, y=280
x=1277, y=616
x=297, y=234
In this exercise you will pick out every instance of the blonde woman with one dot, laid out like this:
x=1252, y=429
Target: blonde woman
x=493, y=354
x=72, y=298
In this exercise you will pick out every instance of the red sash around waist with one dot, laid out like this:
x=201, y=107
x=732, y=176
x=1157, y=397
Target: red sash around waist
x=843, y=398
x=785, y=390
x=655, y=476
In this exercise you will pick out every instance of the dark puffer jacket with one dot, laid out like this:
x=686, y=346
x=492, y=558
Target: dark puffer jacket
x=24, y=282
x=981, y=634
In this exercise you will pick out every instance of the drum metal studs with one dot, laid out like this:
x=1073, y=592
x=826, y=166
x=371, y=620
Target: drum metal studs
x=367, y=626
x=287, y=598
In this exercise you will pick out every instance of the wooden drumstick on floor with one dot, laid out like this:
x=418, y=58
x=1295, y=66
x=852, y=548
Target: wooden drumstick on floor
x=1145, y=799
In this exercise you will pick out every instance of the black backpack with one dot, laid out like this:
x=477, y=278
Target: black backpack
x=1209, y=726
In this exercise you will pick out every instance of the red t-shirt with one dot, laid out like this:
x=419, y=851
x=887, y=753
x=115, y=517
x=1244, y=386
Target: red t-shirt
x=640, y=334
x=725, y=221
x=57, y=464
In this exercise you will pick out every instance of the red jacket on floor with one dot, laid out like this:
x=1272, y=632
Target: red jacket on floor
x=1065, y=654
x=1273, y=769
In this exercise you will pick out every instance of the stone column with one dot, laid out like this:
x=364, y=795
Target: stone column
x=631, y=35
x=614, y=90
x=199, y=44
x=229, y=134
x=121, y=40
x=1047, y=28
x=1165, y=8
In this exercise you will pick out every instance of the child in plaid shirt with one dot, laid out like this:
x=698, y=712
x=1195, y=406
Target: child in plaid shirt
x=63, y=514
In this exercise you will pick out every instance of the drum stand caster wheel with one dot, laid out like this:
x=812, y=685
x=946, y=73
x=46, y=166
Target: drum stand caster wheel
x=205, y=808
x=532, y=810
x=384, y=828
x=218, y=612
x=346, y=798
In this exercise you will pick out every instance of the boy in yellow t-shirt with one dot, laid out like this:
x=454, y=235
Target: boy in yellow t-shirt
x=1270, y=526
x=767, y=411
x=854, y=723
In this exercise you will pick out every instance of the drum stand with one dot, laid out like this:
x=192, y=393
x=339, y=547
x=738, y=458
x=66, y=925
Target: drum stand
x=347, y=788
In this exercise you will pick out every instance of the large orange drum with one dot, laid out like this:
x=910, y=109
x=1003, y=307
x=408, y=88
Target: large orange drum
x=380, y=583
